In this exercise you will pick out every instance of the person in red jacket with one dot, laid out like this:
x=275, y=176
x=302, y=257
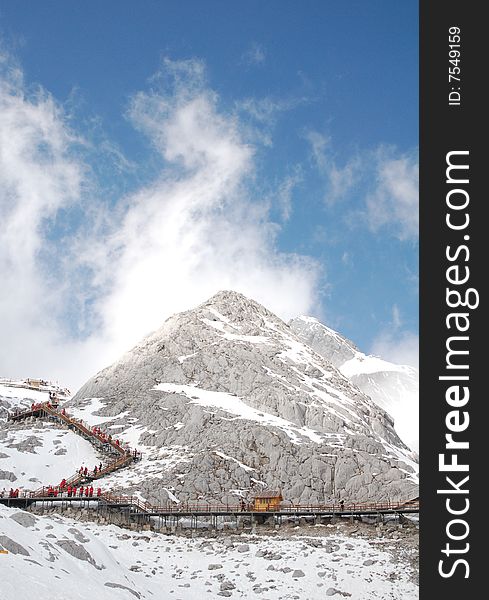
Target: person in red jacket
x=86, y=492
x=91, y=491
x=68, y=490
x=73, y=491
x=81, y=491
x=99, y=492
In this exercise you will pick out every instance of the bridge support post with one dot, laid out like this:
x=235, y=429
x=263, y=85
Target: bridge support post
x=402, y=519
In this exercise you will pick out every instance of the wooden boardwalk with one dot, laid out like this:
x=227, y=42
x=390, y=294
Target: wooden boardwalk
x=135, y=506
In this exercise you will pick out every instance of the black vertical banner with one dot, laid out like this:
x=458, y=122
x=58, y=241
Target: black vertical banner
x=453, y=323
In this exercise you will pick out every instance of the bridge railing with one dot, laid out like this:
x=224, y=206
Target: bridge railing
x=136, y=503
x=226, y=508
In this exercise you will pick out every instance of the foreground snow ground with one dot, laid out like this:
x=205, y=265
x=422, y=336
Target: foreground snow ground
x=55, y=557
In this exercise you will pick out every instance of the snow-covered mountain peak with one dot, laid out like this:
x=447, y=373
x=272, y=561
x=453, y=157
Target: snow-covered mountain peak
x=226, y=398
x=393, y=387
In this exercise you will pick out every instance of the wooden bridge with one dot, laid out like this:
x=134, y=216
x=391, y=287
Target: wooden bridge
x=132, y=511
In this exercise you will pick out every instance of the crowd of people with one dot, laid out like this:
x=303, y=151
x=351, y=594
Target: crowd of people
x=66, y=491
x=52, y=403
x=106, y=438
x=86, y=472
x=71, y=491
x=11, y=494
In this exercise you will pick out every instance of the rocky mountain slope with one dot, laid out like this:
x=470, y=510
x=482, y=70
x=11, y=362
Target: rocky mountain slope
x=225, y=400
x=395, y=388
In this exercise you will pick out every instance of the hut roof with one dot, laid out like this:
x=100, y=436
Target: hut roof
x=269, y=494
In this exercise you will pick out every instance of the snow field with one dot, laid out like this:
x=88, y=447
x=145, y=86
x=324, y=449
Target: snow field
x=60, y=558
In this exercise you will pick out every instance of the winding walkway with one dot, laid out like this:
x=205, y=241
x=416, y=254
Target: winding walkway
x=123, y=456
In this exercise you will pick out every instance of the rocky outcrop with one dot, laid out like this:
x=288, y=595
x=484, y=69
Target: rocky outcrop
x=226, y=400
x=395, y=388
x=325, y=341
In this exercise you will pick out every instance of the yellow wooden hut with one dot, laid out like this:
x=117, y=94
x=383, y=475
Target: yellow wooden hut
x=269, y=500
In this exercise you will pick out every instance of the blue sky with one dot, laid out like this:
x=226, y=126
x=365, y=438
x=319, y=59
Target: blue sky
x=159, y=151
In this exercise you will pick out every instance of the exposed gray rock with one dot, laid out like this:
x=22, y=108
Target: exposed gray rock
x=333, y=592
x=27, y=445
x=122, y=587
x=227, y=585
x=298, y=573
x=214, y=566
x=76, y=550
x=78, y=535
x=8, y=475
x=12, y=546
x=25, y=519
x=34, y=562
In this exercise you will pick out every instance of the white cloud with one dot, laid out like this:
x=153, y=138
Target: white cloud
x=39, y=179
x=339, y=180
x=285, y=192
x=395, y=201
x=396, y=344
x=382, y=182
x=401, y=348
x=254, y=55
x=124, y=269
